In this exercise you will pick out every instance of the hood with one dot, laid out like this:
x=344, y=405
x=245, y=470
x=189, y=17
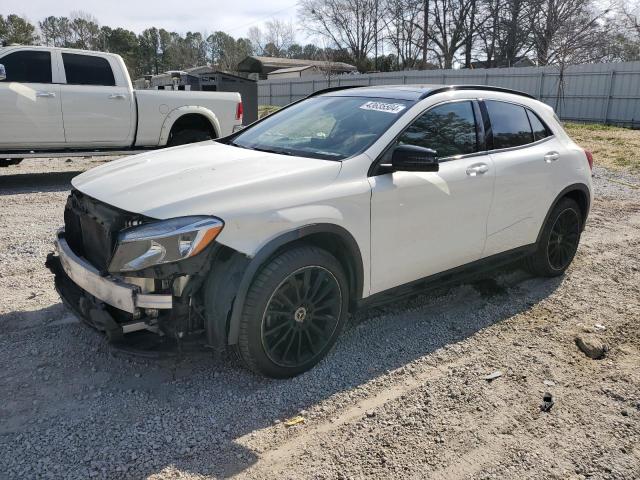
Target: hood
x=206, y=178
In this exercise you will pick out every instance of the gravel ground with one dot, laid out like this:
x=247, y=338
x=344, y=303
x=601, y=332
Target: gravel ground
x=403, y=394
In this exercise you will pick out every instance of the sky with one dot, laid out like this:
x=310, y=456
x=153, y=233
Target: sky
x=232, y=16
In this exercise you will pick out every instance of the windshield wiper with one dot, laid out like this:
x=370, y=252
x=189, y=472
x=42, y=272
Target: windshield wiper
x=320, y=155
x=269, y=150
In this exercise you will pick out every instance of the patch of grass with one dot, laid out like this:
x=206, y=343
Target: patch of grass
x=264, y=110
x=612, y=147
x=590, y=126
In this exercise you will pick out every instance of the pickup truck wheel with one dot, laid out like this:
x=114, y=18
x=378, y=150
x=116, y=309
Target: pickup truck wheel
x=183, y=137
x=559, y=240
x=5, y=162
x=293, y=313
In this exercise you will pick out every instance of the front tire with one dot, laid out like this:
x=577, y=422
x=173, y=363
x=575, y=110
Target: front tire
x=559, y=240
x=293, y=313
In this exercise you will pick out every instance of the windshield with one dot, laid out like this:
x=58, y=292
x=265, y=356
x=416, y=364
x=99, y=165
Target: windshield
x=332, y=128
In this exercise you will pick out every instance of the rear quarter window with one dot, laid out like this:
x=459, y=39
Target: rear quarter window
x=540, y=130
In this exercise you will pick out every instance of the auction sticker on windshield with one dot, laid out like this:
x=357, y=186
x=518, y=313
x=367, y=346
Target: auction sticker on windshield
x=384, y=107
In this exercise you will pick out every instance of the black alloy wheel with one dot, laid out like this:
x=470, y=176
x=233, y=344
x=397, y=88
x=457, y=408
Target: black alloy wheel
x=293, y=313
x=301, y=316
x=558, y=241
x=563, y=240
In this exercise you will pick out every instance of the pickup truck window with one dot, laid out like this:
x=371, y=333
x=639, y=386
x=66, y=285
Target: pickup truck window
x=28, y=66
x=325, y=127
x=87, y=70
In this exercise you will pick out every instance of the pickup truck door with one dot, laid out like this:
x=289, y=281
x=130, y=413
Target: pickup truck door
x=98, y=106
x=30, y=113
x=426, y=223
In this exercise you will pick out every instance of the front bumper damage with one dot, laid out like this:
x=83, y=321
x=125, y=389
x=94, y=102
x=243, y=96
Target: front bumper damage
x=111, y=304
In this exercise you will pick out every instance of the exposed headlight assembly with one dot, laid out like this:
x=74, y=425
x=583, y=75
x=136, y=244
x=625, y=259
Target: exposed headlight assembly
x=163, y=242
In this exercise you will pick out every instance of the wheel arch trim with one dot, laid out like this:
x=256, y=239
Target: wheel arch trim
x=576, y=187
x=269, y=249
x=174, y=115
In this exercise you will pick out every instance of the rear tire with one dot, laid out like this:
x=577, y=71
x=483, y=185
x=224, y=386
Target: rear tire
x=184, y=137
x=5, y=162
x=559, y=240
x=293, y=312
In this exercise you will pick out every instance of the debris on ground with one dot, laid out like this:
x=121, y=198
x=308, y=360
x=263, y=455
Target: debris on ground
x=547, y=402
x=294, y=421
x=591, y=346
x=492, y=376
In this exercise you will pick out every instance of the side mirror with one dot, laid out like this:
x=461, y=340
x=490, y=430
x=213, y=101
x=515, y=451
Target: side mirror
x=411, y=158
x=3, y=73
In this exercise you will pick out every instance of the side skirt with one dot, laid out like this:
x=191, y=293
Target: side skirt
x=448, y=277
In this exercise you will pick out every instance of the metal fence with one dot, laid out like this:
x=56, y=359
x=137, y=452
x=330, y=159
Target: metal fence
x=605, y=92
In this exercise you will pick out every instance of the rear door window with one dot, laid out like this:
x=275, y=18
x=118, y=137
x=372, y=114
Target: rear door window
x=87, y=70
x=449, y=129
x=27, y=66
x=509, y=124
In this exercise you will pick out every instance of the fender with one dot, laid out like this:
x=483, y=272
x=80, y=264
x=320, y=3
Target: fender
x=176, y=113
x=581, y=187
x=353, y=251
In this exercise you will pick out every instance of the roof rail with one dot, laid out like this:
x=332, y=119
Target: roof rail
x=333, y=89
x=475, y=87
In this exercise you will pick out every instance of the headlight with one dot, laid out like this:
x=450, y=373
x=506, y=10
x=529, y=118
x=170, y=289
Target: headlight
x=163, y=242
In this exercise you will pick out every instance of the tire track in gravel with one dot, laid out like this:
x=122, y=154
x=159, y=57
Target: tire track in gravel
x=310, y=436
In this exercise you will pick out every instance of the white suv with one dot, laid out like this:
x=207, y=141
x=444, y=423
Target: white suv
x=268, y=239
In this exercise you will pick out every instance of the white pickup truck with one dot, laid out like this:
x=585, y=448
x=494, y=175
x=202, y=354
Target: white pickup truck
x=65, y=99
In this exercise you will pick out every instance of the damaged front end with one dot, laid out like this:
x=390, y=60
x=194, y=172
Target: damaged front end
x=125, y=274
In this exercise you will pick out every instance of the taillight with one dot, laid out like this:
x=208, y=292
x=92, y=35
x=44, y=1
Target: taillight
x=239, y=111
x=589, y=158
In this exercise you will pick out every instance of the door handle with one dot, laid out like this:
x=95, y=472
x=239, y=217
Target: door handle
x=551, y=157
x=477, y=169
x=45, y=94
x=116, y=96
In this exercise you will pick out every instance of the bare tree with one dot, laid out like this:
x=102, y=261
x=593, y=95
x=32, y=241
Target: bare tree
x=349, y=25
x=425, y=31
x=280, y=33
x=502, y=36
x=472, y=31
x=274, y=40
x=563, y=28
x=450, y=29
x=256, y=37
x=631, y=11
x=403, y=31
